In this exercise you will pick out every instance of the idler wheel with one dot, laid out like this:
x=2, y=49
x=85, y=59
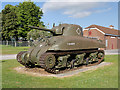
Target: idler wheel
x=50, y=61
x=19, y=57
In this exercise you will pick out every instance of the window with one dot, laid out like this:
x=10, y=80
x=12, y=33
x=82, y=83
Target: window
x=106, y=42
x=112, y=37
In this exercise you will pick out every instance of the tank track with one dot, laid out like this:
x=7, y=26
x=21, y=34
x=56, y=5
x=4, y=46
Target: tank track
x=21, y=62
x=52, y=70
x=18, y=57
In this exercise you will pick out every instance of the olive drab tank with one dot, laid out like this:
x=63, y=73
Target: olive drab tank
x=65, y=50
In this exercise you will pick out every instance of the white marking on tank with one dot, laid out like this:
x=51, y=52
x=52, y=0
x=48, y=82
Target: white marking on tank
x=78, y=31
x=55, y=45
x=70, y=43
x=40, y=45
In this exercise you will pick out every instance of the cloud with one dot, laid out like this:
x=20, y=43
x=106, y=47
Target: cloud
x=61, y=0
x=68, y=5
x=80, y=0
x=75, y=9
x=80, y=14
x=104, y=10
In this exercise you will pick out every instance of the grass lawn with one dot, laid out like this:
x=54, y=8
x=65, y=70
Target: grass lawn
x=11, y=49
x=103, y=77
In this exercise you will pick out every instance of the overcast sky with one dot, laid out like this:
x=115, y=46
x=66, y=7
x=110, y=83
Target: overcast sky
x=81, y=13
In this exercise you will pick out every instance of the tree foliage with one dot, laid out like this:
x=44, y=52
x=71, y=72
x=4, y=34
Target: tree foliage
x=16, y=19
x=0, y=18
x=9, y=22
x=28, y=14
x=36, y=34
x=0, y=25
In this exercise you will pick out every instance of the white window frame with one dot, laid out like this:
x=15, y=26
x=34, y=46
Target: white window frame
x=112, y=37
x=106, y=42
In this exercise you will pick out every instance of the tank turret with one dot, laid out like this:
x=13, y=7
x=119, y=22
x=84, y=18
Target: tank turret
x=63, y=29
x=65, y=50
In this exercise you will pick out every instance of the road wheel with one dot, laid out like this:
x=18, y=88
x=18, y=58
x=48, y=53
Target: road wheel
x=50, y=61
x=100, y=55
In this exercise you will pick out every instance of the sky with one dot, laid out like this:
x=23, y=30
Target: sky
x=75, y=12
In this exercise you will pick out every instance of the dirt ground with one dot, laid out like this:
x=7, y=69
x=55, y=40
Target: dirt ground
x=41, y=72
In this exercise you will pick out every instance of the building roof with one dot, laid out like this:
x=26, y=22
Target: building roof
x=106, y=30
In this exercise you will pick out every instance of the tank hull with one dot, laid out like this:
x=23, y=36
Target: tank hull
x=74, y=43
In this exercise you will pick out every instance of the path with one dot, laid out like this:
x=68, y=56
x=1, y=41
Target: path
x=112, y=52
x=6, y=57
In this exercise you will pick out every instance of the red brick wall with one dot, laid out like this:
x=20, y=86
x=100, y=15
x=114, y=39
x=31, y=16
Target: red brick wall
x=93, y=33
x=113, y=43
x=118, y=44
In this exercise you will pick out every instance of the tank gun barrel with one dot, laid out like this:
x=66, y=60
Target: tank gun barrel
x=42, y=29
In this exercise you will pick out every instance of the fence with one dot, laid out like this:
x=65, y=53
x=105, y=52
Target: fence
x=17, y=43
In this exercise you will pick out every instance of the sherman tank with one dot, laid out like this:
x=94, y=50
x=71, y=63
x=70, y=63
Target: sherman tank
x=66, y=50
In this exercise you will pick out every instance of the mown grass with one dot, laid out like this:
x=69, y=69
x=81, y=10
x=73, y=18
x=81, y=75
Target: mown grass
x=103, y=77
x=12, y=50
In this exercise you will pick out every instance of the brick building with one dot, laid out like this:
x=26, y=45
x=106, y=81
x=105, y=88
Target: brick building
x=109, y=35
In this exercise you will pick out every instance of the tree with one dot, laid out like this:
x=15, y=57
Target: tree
x=0, y=21
x=36, y=34
x=0, y=26
x=16, y=19
x=28, y=14
x=9, y=22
